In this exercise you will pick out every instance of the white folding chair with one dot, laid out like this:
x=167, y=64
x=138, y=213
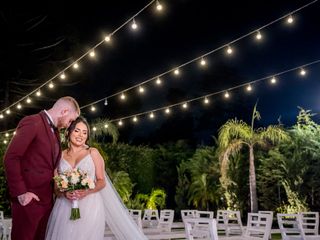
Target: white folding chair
x=201, y=228
x=268, y=212
x=136, y=215
x=310, y=222
x=222, y=221
x=188, y=213
x=290, y=226
x=150, y=218
x=233, y=223
x=166, y=220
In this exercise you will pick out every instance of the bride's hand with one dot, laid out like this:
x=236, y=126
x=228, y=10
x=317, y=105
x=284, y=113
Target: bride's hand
x=81, y=193
x=72, y=195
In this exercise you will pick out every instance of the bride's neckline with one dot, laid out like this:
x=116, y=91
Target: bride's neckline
x=82, y=159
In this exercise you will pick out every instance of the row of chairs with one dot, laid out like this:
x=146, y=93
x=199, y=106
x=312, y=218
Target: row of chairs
x=151, y=219
x=258, y=227
x=302, y=226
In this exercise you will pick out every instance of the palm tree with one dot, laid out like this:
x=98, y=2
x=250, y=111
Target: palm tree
x=235, y=134
x=104, y=127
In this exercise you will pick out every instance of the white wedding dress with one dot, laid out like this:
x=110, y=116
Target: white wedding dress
x=96, y=210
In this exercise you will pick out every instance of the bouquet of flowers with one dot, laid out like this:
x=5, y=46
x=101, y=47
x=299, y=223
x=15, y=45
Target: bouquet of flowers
x=74, y=179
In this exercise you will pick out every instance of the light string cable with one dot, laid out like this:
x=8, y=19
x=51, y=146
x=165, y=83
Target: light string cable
x=200, y=57
x=269, y=77
x=78, y=59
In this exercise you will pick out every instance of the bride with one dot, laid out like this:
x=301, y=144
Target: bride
x=99, y=206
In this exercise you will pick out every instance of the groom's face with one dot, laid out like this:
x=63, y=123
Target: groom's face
x=67, y=117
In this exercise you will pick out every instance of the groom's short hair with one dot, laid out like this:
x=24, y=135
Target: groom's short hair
x=69, y=101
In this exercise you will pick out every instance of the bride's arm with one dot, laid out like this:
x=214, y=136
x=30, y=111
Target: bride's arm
x=57, y=192
x=99, y=171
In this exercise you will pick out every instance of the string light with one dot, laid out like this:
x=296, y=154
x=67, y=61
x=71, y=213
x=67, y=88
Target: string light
x=106, y=126
x=93, y=108
x=151, y=115
x=91, y=54
x=203, y=62
x=19, y=106
x=28, y=100
x=38, y=93
x=158, y=6
x=135, y=119
x=107, y=38
x=94, y=129
x=229, y=49
x=51, y=85
x=141, y=89
x=158, y=81
x=122, y=96
x=63, y=76
x=303, y=72
x=75, y=65
x=8, y=111
x=185, y=105
x=205, y=98
x=266, y=25
x=290, y=19
x=273, y=80
x=249, y=88
x=258, y=36
x=134, y=25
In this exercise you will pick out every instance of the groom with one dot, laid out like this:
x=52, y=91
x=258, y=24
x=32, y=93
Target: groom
x=30, y=160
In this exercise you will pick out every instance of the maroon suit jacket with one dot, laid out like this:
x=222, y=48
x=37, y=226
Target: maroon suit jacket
x=30, y=161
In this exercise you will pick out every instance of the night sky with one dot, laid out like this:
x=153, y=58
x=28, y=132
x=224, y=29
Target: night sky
x=37, y=44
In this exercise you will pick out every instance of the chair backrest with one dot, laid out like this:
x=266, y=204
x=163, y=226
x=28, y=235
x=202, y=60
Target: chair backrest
x=234, y=223
x=136, y=215
x=188, y=213
x=166, y=220
x=290, y=226
x=229, y=222
x=310, y=222
x=222, y=220
x=150, y=218
x=258, y=226
x=201, y=228
x=204, y=214
x=266, y=212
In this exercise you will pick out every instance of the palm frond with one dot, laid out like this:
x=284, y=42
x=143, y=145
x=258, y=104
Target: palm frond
x=105, y=127
x=234, y=129
x=273, y=133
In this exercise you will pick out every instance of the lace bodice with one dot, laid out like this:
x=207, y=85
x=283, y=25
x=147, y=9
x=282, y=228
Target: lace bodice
x=85, y=164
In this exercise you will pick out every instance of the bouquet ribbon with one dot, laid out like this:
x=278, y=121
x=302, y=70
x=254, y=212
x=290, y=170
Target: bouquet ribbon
x=75, y=211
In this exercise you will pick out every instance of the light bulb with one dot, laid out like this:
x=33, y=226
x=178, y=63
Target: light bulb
x=51, y=85
x=273, y=80
x=134, y=25
x=158, y=81
x=167, y=110
x=258, y=36
x=249, y=88
x=76, y=66
x=63, y=76
x=229, y=50
x=226, y=95
x=290, y=19
x=92, y=54
x=38, y=93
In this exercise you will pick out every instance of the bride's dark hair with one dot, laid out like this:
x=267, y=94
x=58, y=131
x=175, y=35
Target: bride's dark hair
x=73, y=126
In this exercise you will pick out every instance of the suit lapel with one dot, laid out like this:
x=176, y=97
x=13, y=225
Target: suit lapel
x=52, y=138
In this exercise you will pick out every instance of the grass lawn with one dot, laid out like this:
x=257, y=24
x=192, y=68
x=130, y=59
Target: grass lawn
x=276, y=236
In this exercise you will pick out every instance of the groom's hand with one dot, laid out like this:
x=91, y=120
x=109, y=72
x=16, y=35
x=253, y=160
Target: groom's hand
x=26, y=198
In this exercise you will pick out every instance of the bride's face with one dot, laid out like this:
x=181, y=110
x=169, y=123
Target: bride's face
x=79, y=135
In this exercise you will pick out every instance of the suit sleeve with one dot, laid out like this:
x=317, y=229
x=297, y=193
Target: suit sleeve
x=25, y=133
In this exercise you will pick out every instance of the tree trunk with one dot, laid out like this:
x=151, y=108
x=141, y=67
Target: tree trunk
x=252, y=182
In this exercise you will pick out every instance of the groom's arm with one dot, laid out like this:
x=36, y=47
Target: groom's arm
x=19, y=144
